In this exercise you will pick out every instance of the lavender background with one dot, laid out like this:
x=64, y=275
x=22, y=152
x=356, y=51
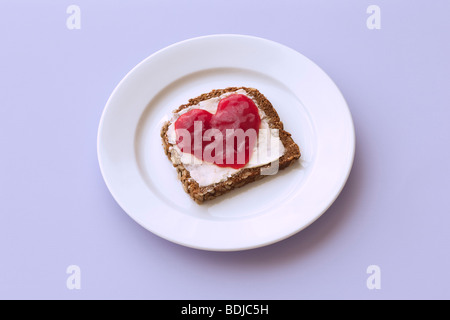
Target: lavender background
x=55, y=209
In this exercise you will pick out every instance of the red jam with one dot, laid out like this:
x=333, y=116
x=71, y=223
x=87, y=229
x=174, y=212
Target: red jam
x=226, y=138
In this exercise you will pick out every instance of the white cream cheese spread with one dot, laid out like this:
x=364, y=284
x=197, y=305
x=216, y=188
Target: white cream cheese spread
x=268, y=148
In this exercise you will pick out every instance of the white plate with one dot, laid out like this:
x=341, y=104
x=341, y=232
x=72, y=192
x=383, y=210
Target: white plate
x=144, y=183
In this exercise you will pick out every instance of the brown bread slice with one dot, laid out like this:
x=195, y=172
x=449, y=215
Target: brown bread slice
x=244, y=176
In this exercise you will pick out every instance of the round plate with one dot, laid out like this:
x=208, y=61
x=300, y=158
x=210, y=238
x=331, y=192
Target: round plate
x=144, y=183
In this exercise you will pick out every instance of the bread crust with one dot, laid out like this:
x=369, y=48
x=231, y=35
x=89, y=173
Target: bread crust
x=244, y=176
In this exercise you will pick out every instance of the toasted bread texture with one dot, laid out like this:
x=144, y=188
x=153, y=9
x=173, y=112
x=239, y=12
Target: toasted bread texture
x=244, y=176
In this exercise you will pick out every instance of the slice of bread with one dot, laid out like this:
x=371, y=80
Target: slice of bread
x=245, y=175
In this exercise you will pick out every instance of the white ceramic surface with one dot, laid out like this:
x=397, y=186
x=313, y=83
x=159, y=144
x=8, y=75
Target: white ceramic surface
x=144, y=183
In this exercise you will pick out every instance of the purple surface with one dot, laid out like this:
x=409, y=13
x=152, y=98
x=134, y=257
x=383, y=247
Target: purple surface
x=56, y=211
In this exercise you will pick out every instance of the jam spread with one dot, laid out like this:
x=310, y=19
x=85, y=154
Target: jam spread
x=226, y=138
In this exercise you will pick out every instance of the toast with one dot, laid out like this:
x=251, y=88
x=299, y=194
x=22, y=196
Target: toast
x=237, y=178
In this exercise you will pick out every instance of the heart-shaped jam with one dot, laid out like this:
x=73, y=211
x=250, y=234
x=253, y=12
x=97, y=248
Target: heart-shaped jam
x=226, y=138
